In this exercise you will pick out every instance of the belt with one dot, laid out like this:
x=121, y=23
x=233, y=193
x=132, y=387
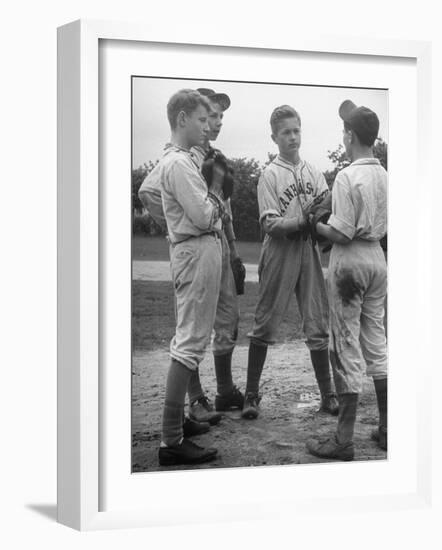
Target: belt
x=213, y=233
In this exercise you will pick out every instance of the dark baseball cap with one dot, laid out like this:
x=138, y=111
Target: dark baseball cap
x=362, y=120
x=222, y=99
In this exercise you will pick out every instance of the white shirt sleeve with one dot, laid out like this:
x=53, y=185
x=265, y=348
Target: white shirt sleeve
x=343, y=217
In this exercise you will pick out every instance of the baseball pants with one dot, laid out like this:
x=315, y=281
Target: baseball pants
x=227, y=311
x=196, y=276
x=285, y=267
x=357, y=282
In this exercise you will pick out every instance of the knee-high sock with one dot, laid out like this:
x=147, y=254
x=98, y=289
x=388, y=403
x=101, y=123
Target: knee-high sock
x=176, y=387
x=321, y=366
x=380, y=386
x=194, y=388
x=223, y=371
x=348, y=404
x=257, y=357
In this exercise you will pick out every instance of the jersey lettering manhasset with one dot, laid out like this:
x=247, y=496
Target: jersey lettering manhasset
x=288, y=190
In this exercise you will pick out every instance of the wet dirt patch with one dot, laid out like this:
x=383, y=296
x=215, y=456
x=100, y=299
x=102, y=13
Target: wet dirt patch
x=347, y=287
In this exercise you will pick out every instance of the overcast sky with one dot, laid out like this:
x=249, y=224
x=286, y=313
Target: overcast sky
x=246, y=129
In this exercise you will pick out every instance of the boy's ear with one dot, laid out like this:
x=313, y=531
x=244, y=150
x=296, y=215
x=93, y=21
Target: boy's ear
x=181, y=119
x=273, y=138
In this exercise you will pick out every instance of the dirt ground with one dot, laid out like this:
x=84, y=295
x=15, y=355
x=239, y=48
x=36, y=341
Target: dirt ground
x=288, y=416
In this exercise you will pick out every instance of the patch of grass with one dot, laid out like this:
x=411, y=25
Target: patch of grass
x=153, y=317
x=148, y=248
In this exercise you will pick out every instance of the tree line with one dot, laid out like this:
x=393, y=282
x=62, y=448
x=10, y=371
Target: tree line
x=244, y=200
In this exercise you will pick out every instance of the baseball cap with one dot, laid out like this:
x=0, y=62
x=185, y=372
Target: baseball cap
x=362, y=120
x=222, y=99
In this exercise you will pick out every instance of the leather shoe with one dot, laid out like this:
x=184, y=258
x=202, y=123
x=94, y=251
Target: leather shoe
x=185, y=452
x=233, y=400
x=380, y=436
x=331, y=448
x=192, y=428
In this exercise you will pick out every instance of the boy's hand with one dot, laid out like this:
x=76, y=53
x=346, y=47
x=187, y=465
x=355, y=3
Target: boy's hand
x=280, y=227
x=274, y=226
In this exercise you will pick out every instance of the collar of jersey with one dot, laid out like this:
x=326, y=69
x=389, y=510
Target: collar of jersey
x=201, y=148
x=366, y=161
x=170, y=147
x=288, y=163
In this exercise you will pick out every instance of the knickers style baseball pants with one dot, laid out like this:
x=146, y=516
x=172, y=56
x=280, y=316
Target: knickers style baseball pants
x=357, y=282
x=196, y=275
x=227, y=311
x=285, y=267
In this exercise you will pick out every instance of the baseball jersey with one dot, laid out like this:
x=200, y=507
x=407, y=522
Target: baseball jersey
x=289, y=190
x=149, y=192
x=188, y=209
x=359, y=200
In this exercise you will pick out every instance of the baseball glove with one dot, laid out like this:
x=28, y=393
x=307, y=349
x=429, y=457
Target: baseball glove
x=239, y=274
x=320, y=213
x=215, y=156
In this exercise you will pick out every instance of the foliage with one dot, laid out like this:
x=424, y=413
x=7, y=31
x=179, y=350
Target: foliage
x=138, y=176
x=380, y=151
x=244, y=200
x=144, y=224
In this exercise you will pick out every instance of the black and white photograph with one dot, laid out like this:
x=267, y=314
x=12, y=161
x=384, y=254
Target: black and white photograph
x=259, y=274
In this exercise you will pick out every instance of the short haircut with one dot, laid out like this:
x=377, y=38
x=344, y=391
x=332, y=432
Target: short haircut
x=186, y=100
x=365, y=137
x=281, y=113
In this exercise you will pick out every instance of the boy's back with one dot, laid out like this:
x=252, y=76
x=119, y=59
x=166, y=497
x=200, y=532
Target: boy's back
x=360, y=200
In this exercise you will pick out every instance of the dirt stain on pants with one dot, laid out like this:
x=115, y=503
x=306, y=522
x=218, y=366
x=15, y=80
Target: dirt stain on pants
x=347, y=287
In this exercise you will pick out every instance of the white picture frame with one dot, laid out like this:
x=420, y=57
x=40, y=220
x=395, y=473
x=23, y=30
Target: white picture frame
x=80, y=293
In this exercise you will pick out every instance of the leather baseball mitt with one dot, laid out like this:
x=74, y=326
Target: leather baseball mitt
x=239, y=274
x=320, y=213
x=215, y=156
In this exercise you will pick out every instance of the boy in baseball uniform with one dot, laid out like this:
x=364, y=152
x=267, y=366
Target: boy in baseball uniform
x=228, y=395
x=357, y=281
x=193, y=217
x=227, y=315
x=289, y=262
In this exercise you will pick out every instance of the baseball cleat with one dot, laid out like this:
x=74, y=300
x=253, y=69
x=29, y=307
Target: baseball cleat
x=329, y=404
x=330, y=448
x=186, y=452
x=192, y=428
x=380, y=436
x=251, y=406
x=233, y=400
x=202, y=411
